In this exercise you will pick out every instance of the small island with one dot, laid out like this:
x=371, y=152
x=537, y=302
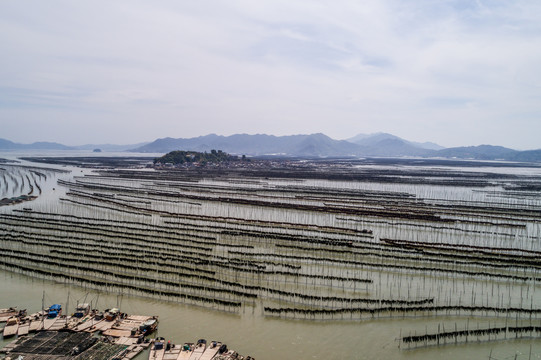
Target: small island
x=180, y=157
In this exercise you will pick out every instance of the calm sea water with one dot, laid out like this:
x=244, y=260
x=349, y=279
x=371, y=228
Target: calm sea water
x=263, y=338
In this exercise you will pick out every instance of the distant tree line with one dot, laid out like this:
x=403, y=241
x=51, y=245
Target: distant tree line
x=181, y=157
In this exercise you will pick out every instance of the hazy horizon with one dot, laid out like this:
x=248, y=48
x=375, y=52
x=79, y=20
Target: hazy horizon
x=456, y=73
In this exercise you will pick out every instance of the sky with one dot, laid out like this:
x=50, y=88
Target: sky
x=457, y=73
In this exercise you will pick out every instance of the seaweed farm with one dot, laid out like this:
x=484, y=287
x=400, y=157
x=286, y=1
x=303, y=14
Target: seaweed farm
x=374, y=258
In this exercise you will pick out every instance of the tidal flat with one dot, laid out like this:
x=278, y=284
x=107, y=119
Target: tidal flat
x=320, y=259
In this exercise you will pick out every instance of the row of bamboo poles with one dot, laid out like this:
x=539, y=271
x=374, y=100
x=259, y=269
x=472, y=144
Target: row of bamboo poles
x=292, y=243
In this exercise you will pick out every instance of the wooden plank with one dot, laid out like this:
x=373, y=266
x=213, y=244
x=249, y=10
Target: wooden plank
x=47, y=323
x=211, y=350
x=185, y=354
x=117, y=332
x=172, y=354
x=198, y=351
x=36, y=325
x=23, y=329
x=11, y=327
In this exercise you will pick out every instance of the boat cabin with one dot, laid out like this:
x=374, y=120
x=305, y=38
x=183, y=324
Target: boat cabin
x=12, y=321
x=111, y=314
x=158, y=343
x=54, y=311
x=148, y=326
x=82, y=310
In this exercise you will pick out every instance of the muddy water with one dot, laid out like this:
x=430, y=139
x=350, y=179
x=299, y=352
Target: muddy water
x=250, y=333
x=265, y=338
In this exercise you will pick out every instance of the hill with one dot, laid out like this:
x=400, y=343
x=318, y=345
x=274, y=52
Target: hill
x=109, y=147
x=320, y=145
x=314, y=145
x=481, y=152
x=304, y=146
x=374, y=139
x=42, y=145
x=178, y=157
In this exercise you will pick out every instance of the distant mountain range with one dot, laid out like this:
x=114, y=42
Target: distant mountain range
x=374, y=139
x=309, y=146
x=320, y=145
x=9, y=145
x=315, y=145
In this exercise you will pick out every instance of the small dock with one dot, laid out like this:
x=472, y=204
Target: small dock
x=200, y=350
x=121, y=337
x=40, y=337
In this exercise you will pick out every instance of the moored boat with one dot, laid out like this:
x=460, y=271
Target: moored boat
x=36, y=324
x=87, y=321
x=54, y=311
x=148, y=326
x=185, y=351
x=157, y=350
x=211, y=350
x=199, y=349
x=81, y=311
x=171, y=351
x=5, y=314
x=12, y=326
x=111, y=314
x=49, y=322
x=228, y=355
x=24, y=327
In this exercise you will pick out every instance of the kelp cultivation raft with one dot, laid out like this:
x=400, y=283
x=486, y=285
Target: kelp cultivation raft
x=304, y=240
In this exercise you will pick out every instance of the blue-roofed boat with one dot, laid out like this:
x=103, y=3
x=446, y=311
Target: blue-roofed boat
x=54, y=311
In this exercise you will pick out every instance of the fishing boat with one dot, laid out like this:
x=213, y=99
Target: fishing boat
x=185, y=351
x=11, y=309
x=24, y=326
x=198, y=350
x=61, y=323
x=5, y=314
x=85, y=322
x=54, y=311
x=95, y=323
x=36, y=321
x=81, y=311
x=72, y=322
x=211, y=350
x=49, y=322
x=171, y=351
x=111, y=314
x=228, y=355
x=158, y=349
x=36, y=324
x=12, y=326
x=148, y=326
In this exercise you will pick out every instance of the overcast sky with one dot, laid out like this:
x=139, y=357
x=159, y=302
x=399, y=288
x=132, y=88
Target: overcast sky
x=454, y=72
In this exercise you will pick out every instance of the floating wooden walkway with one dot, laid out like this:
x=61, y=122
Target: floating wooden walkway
x=215, y=350
x=72, y=338
x=69, y=337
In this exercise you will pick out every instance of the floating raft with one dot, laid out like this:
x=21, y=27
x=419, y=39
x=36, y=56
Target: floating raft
x=161, y=350
x=73, y=338
x=5, y=314
x=61, y=345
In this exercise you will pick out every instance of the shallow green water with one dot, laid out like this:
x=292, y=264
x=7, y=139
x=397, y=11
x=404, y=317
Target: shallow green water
x=264, y=338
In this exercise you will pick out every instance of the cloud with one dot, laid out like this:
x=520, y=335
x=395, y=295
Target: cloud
x=421, y=69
